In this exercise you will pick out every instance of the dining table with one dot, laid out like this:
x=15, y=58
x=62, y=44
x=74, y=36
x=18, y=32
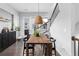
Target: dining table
x=41, y=40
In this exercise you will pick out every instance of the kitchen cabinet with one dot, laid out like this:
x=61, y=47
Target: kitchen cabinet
x=7, y=39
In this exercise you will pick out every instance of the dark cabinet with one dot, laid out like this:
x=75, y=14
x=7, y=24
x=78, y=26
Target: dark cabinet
x=0, y=43
x=10, y=38
x=7, y=39
x=14, y=37
x=4, y=40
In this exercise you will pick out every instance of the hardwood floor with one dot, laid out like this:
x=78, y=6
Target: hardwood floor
x=13, y=50
x=17, y=50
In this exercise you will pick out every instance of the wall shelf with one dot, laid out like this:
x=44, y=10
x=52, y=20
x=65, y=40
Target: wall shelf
x=4, y=20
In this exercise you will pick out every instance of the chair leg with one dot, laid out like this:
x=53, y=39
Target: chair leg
x=33, y=50
x=24, y=49
x=41, y=45
x=55, y=52
x=55, y=48
x=23, y=52
x=27, y=50
x=43, y=49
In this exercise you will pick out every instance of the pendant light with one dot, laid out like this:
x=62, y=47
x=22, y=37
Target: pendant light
x=38, y=19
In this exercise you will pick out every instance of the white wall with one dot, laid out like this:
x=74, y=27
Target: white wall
x=61, y=29
x=9, y=9
x=75, y=19
x=5, y=15
x=21, y=24
x=65, y=26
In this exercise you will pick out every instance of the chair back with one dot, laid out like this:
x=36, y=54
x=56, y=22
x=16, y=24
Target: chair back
x=47, y=36
x=53, y=41
x=27, y=33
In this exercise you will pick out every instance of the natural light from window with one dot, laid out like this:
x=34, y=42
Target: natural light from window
x=45, y=20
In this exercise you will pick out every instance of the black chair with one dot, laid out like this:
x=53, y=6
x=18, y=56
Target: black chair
x=54, y=46
x=25, y=42
x=24, y=46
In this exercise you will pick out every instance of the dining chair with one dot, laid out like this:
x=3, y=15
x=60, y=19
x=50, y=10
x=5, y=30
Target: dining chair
x=24, y=48
x=25, y=42
x=53, y=45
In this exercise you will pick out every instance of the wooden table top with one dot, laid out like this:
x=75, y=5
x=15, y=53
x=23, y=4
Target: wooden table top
x=38, y=40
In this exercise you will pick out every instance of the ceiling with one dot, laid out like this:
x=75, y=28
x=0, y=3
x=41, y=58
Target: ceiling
x=31, y=9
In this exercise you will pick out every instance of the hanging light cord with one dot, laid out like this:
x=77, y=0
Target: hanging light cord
x=38, y=7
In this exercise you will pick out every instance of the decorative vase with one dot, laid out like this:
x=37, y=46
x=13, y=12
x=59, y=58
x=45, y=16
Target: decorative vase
x=36, y=33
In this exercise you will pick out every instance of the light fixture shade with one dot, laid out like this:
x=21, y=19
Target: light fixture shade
x=38, y=20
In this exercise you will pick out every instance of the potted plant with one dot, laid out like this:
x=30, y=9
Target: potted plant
x=36, y=33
